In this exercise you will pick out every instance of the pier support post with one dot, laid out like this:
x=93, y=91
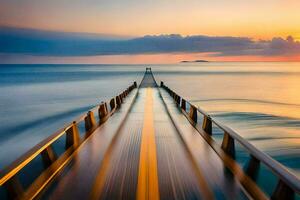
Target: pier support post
x=90, y=121
x=48, y=156
x=193, y=113
x=283, y=191
x=228, y=145
x=252, y=168
x=207, y=125
x=72, y=136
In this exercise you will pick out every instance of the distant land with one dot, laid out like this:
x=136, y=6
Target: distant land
x=193, y=61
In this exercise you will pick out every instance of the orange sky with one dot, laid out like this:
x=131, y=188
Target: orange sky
x=258, y=19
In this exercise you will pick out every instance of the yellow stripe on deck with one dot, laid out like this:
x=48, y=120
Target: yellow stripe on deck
x=147, y=179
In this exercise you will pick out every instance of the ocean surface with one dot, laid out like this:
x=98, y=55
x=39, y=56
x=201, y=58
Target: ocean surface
x=260, y=100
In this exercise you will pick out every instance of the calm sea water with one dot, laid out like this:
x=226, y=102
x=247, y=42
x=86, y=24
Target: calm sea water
x=259, y=100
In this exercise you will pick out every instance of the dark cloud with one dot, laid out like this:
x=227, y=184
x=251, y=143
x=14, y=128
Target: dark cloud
x=46, y=43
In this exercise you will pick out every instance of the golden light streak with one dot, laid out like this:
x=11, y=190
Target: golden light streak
x=148, y=179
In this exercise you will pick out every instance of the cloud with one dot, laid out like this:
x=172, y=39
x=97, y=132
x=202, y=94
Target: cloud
x=47, y=43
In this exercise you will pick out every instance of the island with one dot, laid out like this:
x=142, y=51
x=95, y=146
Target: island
x=193, y=61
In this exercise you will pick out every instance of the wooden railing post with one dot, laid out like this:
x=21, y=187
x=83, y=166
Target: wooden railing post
x=228, y=145
x=178, y=100
x=283, y=191
x=72, y=136
x=173, y=95
x=102, y=112
x=193, y=113
x=207, y=125
x=90, y=121
x=121, y=98
x=48, y=156
x=14, y=188
x=183, y=104
x=112, y=103
x=118, y=100
x=252, y=168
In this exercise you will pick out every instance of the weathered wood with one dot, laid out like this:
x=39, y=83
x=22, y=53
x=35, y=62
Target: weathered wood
x=102, y=112
x=14, y=188
x=48, y=156
x=178, y=100
x=193, y=113
x=90, y=121
x=283, y=191
x=112, y=103
x=119, y=102
x=228, y=145
x=252, y=168
x=121, y=98
x=183, y=104
x=207, y=125
x=72, y=136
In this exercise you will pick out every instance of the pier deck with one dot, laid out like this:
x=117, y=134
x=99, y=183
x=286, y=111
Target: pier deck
x=149, y=147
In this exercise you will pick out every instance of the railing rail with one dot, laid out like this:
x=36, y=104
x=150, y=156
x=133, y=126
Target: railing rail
x=288, y=184
x=9, y=175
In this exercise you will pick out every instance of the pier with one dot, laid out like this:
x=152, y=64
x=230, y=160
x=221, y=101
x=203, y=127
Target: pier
x=148, y=142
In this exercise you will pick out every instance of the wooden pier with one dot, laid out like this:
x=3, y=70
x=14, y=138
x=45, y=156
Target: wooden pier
x=146, y=143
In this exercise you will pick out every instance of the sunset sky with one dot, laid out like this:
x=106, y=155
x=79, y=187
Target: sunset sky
x=265, y=24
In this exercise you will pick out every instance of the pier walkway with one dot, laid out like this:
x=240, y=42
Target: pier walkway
x=146, y=143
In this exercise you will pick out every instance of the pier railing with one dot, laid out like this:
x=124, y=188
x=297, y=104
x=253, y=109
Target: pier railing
x=46, y=154
x=288, y=184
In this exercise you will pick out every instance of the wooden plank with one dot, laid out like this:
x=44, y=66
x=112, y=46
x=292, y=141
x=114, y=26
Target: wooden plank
x=147, y=179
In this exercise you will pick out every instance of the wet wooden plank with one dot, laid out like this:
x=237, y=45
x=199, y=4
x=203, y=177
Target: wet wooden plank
x=117, y=178
x=222, y=181
x=77, y=179
x=179, y=178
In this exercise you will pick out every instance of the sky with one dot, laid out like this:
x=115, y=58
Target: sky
x=232, y=30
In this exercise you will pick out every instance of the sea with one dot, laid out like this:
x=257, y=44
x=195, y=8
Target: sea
x=259, y=100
